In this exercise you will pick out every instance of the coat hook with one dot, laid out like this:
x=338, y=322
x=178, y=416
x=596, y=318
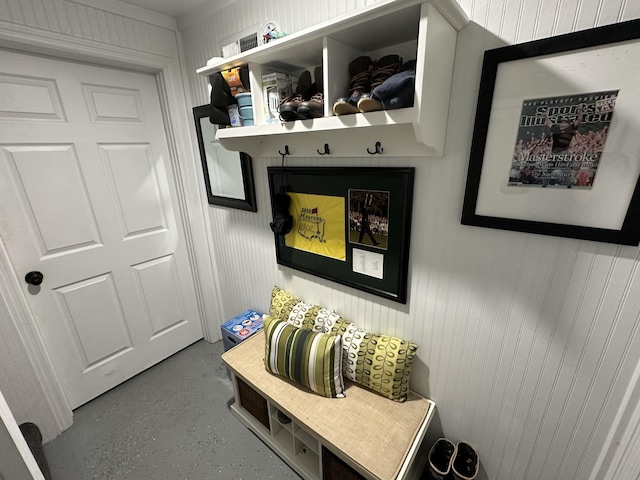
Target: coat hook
x=326, y=150
x=286, y=151
x=378, y=149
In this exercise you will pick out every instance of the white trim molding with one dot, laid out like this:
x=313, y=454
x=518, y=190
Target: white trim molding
x=14, y=305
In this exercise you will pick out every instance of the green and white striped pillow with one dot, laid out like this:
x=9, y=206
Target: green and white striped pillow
x=306, y=357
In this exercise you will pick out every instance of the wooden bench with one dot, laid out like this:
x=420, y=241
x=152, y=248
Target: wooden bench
x=364, y=435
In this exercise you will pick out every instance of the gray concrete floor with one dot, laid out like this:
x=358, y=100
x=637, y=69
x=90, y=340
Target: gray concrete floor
x=170, y=422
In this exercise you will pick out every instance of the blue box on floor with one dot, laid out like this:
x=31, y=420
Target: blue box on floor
x=240, y=328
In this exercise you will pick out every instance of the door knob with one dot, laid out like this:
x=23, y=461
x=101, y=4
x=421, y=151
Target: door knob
x=34, y=278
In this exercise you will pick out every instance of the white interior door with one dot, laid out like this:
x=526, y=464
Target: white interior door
x=88, y=199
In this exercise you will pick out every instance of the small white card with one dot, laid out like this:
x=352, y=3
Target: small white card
x=368, y=263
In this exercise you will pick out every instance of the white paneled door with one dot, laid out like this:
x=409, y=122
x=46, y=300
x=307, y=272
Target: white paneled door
x=88, y=199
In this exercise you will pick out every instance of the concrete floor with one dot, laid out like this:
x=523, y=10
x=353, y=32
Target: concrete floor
x=170, y=422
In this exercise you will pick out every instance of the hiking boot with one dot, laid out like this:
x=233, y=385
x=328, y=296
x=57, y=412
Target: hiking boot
x=441, y=457
x=385, y=67
x=317, y=76
x=289, y=105
x=465, y=463
x=360, y=72
x=313, y=108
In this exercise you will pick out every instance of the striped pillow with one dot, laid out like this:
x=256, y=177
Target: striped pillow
x=308, y=358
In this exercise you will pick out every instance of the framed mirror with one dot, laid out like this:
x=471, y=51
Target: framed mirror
x=228, y=176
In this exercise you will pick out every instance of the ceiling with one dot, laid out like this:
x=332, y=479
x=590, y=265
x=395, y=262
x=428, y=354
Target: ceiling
x=172, y=8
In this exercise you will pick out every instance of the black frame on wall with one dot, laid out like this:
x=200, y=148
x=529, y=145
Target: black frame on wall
x=532, y=55
x=201, y=115
x=381, y=255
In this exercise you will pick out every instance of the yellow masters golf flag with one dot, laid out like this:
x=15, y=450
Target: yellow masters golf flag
x=318, y=225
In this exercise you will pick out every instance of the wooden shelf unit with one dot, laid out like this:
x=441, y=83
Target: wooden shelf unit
x=415, y=29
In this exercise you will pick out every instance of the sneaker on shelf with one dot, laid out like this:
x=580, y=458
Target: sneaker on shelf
x=342, y=106
x=368, y=103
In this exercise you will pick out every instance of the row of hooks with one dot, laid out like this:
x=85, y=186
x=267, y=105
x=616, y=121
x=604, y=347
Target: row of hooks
x=376, y=151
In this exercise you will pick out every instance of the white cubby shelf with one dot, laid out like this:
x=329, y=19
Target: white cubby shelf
x=424, y=31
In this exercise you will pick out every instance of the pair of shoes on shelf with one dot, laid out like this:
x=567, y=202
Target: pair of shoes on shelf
x=308, y=100
x=448, y=461
x=366, y=75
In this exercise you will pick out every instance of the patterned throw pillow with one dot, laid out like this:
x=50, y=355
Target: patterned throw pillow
x=378, y=362
x=306, y=357
x=310, y=317
x=381, y=363
x=286, y=306
x=281, y=303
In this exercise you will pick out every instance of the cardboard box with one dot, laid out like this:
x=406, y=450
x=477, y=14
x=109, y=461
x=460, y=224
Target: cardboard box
x=240, y=328
x=275, y=87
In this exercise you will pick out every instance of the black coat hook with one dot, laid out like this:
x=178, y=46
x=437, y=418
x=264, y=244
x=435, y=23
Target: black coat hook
x=326, y=150
x=286, y=151
x=378, y=149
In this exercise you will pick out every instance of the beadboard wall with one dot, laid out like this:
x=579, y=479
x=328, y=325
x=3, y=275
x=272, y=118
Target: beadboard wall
x=529, y=344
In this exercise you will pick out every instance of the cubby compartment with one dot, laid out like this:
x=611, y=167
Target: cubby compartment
x=253, y=402
x=296, y=442
x=421, y=30
x=396, y=33
x=306, y=458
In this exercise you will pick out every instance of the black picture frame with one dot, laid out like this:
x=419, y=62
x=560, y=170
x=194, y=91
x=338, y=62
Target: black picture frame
x=604, y=52
x=381, y=251
x=243, y=169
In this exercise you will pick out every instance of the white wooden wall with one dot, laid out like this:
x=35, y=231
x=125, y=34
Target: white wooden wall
x=529, y=344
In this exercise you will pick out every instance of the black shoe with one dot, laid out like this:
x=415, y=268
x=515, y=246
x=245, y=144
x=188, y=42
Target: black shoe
x=440, y=459
x=465, y=463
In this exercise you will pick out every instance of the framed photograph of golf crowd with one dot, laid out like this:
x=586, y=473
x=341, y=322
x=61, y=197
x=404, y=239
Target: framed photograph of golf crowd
x=350, y=225
x=556, y=142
